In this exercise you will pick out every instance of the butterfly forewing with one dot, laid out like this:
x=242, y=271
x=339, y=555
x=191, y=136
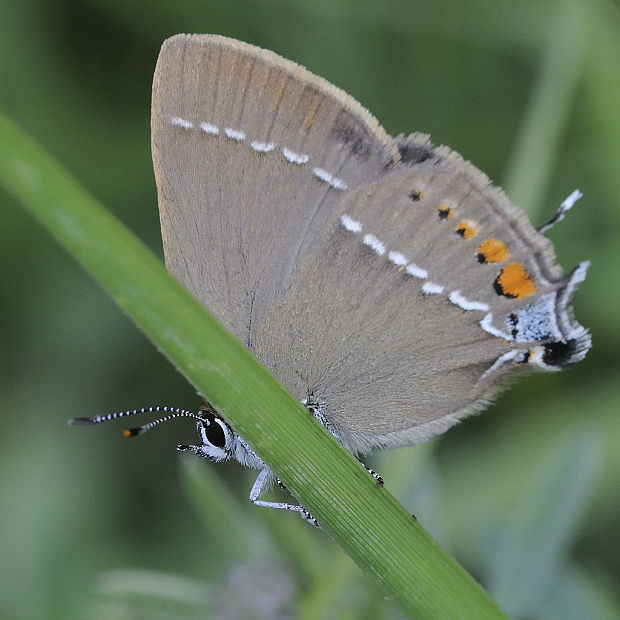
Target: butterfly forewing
x=251, y=155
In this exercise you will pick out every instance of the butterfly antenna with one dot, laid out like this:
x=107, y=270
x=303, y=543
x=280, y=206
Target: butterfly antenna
x=173, y=412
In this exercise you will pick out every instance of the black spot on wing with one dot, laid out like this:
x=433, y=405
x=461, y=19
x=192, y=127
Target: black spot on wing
x=560, y=353
x=346, y=130
x=412, y=153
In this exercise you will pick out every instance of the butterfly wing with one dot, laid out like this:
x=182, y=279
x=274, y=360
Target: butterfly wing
x=250, y=154
x=384, y=278
x=424, y=291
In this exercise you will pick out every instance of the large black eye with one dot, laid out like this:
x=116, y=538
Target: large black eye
x=214, y=431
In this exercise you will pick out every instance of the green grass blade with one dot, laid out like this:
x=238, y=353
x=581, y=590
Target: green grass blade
x=369, y=524
x=538, y=144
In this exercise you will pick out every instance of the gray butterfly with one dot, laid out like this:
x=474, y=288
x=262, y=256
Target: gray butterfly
x=385, y=282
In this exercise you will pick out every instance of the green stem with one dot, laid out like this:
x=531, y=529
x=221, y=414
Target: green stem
x=365, y=520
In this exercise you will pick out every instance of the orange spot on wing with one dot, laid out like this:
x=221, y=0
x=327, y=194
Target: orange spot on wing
x=311, y=104
x=467, y=229
x=310, y=118
x=513, y=281
x=445, y=211
x=492, y=251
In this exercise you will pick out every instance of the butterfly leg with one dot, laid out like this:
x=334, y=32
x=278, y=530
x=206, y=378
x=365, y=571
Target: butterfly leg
x=375, y=475
x=263, y=480
x=197, y=450
x=320, y=417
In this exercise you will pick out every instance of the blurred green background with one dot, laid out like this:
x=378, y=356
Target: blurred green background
x=526, y=496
